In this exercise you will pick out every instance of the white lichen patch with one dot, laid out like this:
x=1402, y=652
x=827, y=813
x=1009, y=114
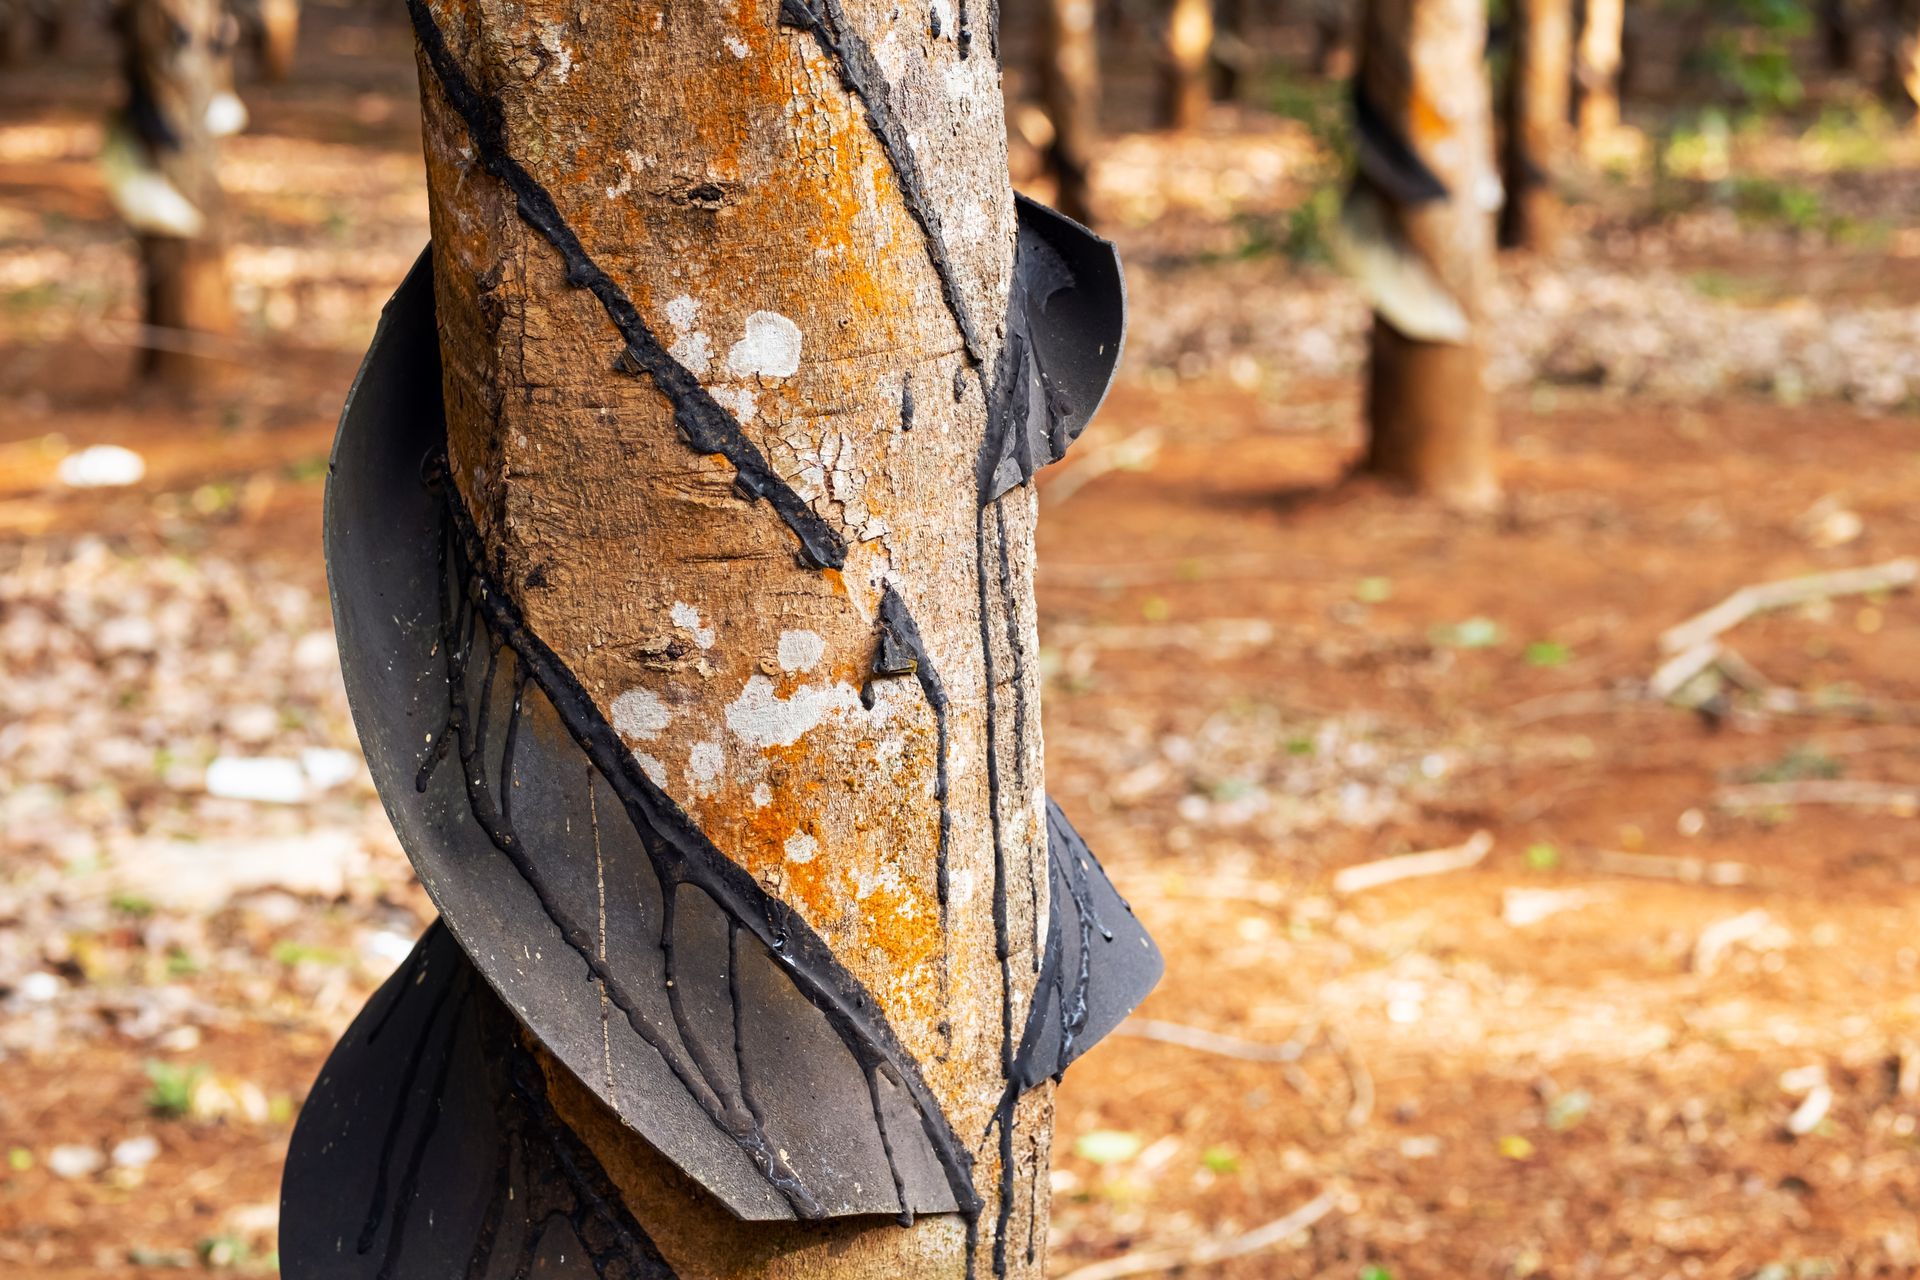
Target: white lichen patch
x=761, y=718
x=695, y=352
x=557, y=50
x=868, y=881
x=737, y=47
x=683, y=313
x=770, y=348
x=704, y=763
x=762, y=795
x=639, y=713
x=801, y=847
x=687, y=618
x=651, y=766
x=801, y=650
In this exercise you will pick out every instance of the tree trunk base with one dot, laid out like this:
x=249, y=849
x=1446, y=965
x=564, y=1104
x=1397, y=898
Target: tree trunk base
x=187, y=303
x=1431, y=419
x=279, y=37
x=1532, y=216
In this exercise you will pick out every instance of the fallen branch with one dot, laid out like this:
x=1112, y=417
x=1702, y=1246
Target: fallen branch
x=1826, y=791
x=1578, y=702
x=1135, y=453
x=1654, y=866
x=1409, y=866
x=1214, y=1042
x=1274, y=1234
x=1766, y=597
x=1217, y=637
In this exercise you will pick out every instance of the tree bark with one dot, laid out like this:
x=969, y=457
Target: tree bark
x=1070, y=81
x=742, y=188
x=1186, y=52
x=1539, y=89
x=166, y=182
x=1422, y=76
x=1597, y=73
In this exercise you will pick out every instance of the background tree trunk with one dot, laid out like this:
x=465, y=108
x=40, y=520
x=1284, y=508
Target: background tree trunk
x=1185, y=58
x=749, y=195
x=1423, y=74
x=1333, y=30
x=1539, y=89
x=1838, y=38
x=1597, y=73
x=167, y=184
x=1900, y=78
x=277, y=40
x=1070, y=81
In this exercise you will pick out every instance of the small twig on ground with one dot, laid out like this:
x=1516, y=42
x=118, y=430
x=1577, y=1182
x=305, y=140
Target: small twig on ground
x=1576, y=702
x=1286, y=1055
x=1735, y=667
x=1677, y=672
x=1409, y=866
x=1766, y=597
x=1146, y=573
x=1134, y=453
x=1359, y=1079
x=1653, y=866
x=1274, y=1234
x=1226, y=1046
x=1755, y=927
x=1217, y=637
x=1903, y=800
x=1234, y=889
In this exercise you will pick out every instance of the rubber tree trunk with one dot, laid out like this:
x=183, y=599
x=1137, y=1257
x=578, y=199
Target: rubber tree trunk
x=745, y=190
x=1539, y=89
x=1839, y=44
x=1423, y=76
x=276, y=36
x=1233, y=49
x=1070, y=80
x=164, y=177
x=1333, y=31
x=1185, y=58
x=1597, y=73
x=1901, y=68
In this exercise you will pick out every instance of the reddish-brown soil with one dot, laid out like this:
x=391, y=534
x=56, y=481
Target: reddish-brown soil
x=1260, y=672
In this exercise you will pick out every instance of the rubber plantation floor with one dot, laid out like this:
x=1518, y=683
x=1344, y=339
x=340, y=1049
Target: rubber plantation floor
x=1667, y=1025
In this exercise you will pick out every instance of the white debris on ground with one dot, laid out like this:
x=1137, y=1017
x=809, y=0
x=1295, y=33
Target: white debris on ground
x=1650, y=331
x=175, y=747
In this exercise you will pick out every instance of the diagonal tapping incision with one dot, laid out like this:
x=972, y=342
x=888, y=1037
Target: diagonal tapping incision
x=706, y=424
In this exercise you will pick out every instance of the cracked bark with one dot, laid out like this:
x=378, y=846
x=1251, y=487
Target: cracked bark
x=795, y=286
